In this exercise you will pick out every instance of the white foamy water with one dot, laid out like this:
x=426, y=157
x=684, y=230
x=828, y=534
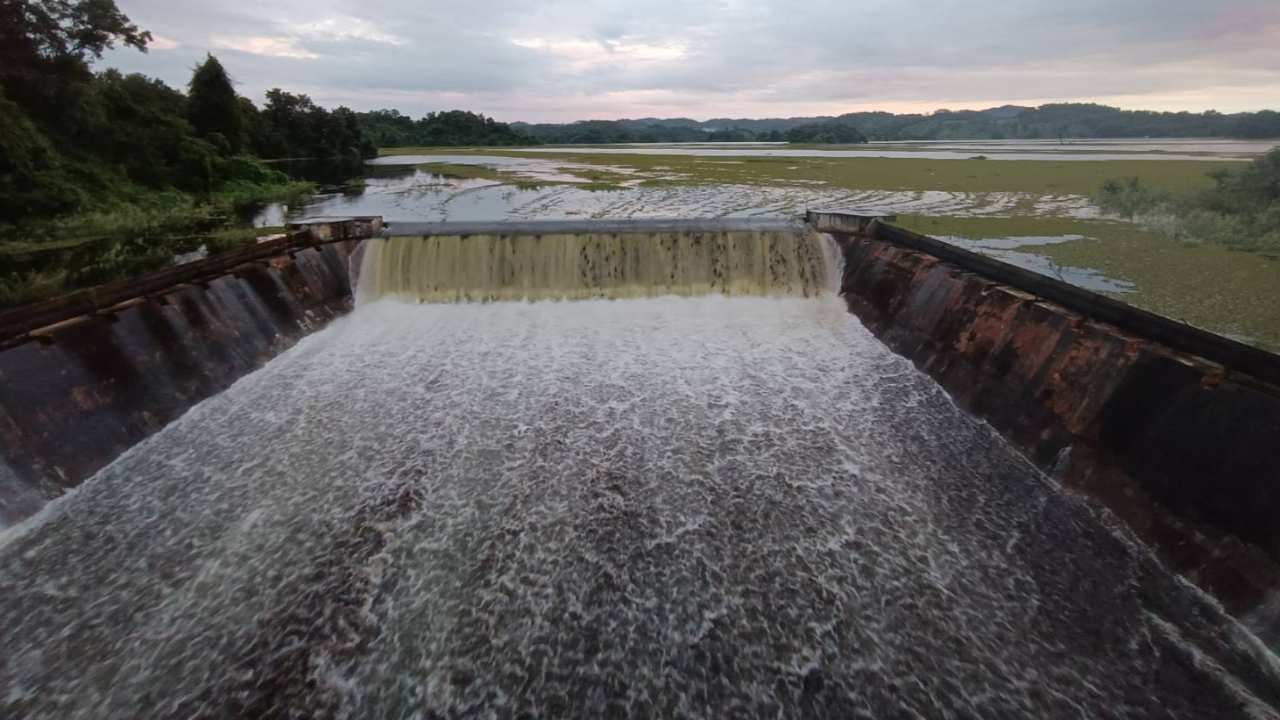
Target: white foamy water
x=662, y=507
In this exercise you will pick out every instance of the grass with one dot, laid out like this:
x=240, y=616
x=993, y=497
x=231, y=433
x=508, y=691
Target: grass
x=1067, y=177
x=231, y=237
x=598, y=179
x=593, y=179
x=1210, y=286
x=480, y=172
x=983, y=227
x=1241, y=211
x=72, y=264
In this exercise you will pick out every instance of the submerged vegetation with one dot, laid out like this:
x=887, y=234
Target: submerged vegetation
x=126, y=165
x=1241, y=209
x=1046, y=177
x=1208, y=286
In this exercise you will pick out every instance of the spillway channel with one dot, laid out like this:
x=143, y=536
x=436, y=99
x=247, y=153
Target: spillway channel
x=675, y=506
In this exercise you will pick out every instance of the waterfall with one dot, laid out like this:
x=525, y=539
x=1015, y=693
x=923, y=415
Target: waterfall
x=789, y=261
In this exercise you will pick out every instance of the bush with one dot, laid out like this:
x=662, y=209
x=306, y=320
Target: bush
x=1241, y=210
x=32, y=181
x=245, y=169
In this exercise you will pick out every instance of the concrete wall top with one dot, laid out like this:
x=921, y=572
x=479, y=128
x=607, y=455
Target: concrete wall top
x=848, y=221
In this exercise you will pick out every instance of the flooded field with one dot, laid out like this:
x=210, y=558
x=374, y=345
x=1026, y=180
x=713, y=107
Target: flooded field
x=1064, y=152
x=1173, y=149
x=412, y=193
x=1036, y=213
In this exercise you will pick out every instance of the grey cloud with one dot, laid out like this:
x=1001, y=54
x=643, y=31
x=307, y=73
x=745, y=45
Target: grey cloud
x=563, y=59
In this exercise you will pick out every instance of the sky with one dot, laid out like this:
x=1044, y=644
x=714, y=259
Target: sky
x=565, y=60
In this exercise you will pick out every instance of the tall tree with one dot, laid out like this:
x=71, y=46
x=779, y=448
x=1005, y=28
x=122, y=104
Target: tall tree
x=213, y=108
x=46, y=47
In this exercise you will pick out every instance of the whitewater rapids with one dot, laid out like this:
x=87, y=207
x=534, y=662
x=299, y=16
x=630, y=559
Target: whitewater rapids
x=664, y=507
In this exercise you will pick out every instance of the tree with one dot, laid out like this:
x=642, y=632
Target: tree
x=1264, y=124
x=213, y=108
x=141, y=128
x=255, y=129
x=46, y=47
x=834, y=133
x=735, y=134
x=388, y=128
x=32, y=180
x=77, y=143
x=289, y=127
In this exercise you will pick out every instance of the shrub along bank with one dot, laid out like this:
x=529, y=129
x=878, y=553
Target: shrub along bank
x=1241, y=210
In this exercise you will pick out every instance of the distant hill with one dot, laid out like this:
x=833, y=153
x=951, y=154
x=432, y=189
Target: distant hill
x=766, y=124
x=1006, y=111
x=1062, y=120
x=668, y=122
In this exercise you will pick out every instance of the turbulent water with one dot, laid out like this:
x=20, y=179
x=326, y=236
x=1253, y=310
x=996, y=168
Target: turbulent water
x=658, y=507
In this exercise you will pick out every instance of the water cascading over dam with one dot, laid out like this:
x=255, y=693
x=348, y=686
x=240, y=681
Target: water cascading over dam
x=701, y=489
x=754, y=259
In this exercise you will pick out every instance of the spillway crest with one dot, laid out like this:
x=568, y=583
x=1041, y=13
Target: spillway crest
x=486, y=267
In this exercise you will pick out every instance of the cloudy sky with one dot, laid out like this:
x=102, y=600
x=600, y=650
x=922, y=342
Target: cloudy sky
x=562, y=60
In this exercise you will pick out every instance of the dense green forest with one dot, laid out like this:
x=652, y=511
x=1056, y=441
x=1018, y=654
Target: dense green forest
x=103, y=174
x=1241, y=210
x=76, y=141
x=1064, y=121
x=1049, y=122
x=388, y=128
x=826, y=133
x=595, y=132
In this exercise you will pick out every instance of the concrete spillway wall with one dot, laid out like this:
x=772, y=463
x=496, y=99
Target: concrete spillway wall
x=77, y=394
x=1181, y=449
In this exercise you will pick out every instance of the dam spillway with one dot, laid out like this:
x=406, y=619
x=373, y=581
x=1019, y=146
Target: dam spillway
x=497, y=263
x=705, y=505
